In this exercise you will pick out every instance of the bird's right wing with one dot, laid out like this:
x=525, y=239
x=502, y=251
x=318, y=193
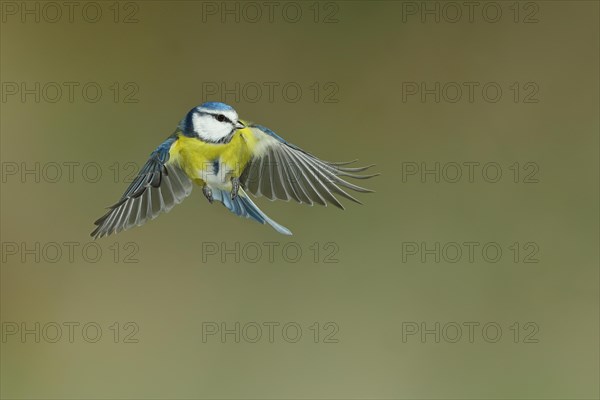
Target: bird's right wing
x=157, y=188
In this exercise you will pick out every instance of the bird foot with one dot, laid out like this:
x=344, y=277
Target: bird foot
x=235, y=187
x=208, y=193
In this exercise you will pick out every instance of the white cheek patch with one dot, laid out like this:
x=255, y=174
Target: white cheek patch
x=209, y=128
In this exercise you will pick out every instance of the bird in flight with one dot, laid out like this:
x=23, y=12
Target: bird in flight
x=227, y=158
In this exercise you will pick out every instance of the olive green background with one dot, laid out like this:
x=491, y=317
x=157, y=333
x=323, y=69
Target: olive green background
x=169, y=54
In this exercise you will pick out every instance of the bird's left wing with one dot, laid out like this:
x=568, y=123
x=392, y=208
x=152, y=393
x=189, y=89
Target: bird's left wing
x=284, y=171
x=159, y=185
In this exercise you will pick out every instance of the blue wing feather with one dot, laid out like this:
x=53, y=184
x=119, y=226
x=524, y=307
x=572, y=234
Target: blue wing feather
x=157, y=188
x=152, y=169
x=162, y=151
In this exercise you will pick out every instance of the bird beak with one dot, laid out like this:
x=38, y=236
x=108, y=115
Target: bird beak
x=240, y=125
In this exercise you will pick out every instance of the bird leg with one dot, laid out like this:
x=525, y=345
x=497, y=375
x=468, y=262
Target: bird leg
x=208, y=193
x=235, y=187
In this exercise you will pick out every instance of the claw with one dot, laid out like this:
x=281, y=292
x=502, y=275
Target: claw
x=208, y=193
x=235, y=187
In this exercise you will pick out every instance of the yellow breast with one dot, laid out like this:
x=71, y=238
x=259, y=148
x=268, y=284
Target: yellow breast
x=196, y=157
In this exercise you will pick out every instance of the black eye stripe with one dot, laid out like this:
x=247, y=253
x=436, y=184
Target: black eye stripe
x=218, y=117
x=221, y=118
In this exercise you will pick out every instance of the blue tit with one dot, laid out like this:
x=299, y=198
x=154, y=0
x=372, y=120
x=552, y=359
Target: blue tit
x=228, y=158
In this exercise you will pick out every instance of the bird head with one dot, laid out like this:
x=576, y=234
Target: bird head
x=211, y=122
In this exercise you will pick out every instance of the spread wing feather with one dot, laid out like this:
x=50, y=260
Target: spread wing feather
x=157, y=188
x=281, y=170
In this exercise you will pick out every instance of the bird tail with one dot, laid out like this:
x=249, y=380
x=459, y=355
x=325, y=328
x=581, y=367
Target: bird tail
x=244, y=207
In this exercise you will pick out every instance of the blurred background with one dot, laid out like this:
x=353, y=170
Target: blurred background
x=471, y=272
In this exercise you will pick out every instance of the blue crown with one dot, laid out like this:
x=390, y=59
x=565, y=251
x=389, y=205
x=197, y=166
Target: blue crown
x=216, y=106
